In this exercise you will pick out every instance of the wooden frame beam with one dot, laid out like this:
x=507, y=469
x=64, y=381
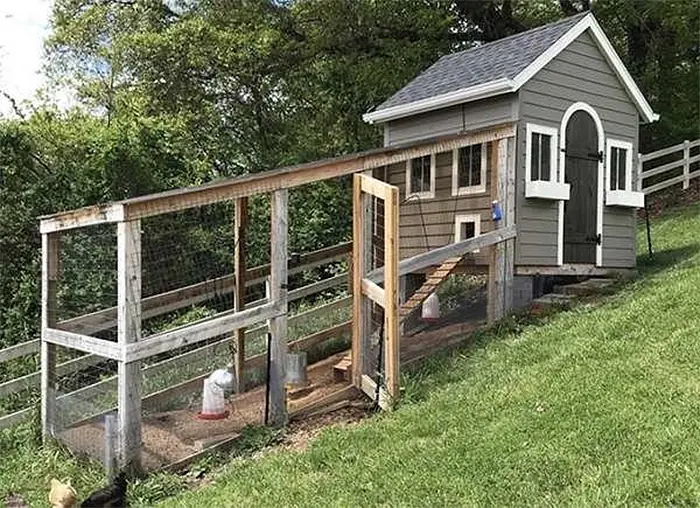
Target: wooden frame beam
x=240, y=226
x=434, y=257
x=277, y=415
x=268, y=181
x=50, y=246
x=129, y=333
x=84, y=343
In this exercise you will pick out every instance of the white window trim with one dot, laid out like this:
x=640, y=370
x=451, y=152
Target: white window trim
x=554, y=188
x=471, y=189
x=627, y=197
x=425, y=194
x=467, y=217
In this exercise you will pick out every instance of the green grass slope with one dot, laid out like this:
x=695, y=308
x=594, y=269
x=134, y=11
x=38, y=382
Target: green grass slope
x=598, y=406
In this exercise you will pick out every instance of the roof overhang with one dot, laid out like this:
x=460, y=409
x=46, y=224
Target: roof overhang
x=505, y=85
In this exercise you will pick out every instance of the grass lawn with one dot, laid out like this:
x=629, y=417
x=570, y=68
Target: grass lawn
x=598, y=406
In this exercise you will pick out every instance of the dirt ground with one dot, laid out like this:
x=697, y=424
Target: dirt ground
x=171, y=436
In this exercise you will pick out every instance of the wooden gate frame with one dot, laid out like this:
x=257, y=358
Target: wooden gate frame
x=365, y=291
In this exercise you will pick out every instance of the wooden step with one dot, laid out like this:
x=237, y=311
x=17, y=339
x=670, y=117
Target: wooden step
x=341, y=370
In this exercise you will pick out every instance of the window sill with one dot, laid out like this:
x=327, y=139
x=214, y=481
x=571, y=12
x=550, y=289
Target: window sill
x=420, y=195
x=466, y=191
x=629, y=199
x=547, y=190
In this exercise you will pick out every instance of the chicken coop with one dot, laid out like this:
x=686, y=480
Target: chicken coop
x=504, y=163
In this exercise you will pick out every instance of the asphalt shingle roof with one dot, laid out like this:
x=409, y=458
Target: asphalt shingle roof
x=504, y=58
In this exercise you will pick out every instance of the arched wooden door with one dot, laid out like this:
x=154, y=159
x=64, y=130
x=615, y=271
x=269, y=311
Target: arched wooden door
x=582, y=155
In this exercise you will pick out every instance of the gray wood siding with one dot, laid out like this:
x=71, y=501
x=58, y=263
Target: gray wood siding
x=465, y=117
x=579, y=73
x=438, y=213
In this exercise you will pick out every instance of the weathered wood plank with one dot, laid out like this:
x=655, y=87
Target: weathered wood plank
x=50, y=248
x=373, y=292
x=241, y=223
x=278, y=325
x=129, y=333
x=18, y=350
x=84, y=343
x=436, y=256
x=358, y=271
x=391, y=289
x=82, y=217
x=201, y=330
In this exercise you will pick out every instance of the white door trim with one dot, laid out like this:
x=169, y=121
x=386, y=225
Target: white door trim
x=581, y=106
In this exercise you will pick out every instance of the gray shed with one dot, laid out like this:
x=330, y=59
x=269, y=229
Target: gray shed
x=577, y=112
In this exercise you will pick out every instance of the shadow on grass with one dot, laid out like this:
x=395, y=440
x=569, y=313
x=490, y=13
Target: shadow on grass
x=665, y=259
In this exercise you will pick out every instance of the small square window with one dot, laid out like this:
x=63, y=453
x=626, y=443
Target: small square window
x=420, y=177
x=469, y=169
x=540, y=157
x=467, y=226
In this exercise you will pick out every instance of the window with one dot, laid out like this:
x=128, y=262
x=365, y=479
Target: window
x=469, y=170
x=542, y=177
x=467, y=226
x=420, y=177
x=618, y=175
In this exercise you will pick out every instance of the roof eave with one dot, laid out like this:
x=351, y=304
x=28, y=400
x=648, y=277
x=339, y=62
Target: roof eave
x=481, y=91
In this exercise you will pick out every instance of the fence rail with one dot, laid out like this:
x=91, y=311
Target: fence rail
x=656, y=163
x=163, y=304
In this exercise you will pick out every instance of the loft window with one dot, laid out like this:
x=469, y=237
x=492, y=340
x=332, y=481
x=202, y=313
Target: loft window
x=469, y=170
x=420, y=177
x=467, y=226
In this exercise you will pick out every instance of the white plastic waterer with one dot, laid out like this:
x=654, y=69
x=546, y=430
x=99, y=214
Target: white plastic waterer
x=224, y=378
x=430, y=312
x=213, y=401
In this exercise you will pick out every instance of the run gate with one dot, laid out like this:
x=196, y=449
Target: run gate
x=375, y=340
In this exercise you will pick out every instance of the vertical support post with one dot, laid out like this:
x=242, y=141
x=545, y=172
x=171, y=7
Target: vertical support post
x=129, y=331
x=391, y=291
x=278, y=294
x=50, y=245
x=686, y=164
x=501, y=262
x=358, y=270
x=640, y=169
x=495, y=254
x=110, y=446
x=241, y=223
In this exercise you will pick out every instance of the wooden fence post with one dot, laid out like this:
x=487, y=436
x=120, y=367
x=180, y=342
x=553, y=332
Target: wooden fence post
x=278, y=294
x=129, y=331
x=50, y=246
x=640, y=169
x=391, y=292
x=686, y=164
x=241, y=223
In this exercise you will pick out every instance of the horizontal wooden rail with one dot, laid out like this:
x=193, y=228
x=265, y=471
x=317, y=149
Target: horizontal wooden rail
x=85, y=343
x=267, y=181
x=199, y=331
x=683, y=163
x=25, y=348
x=437, y=256
x=33, y=379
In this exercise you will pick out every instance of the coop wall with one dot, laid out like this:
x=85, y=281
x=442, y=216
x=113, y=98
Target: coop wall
x=429, y=223
x=579, y=73
x=453, y=120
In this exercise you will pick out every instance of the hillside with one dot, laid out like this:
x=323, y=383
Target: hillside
x=597, y=406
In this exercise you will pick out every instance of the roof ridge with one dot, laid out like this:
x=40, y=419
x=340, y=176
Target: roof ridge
x=515, y=35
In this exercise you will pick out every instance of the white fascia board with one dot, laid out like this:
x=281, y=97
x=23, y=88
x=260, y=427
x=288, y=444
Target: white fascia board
x=586, y=23
x=490, y=89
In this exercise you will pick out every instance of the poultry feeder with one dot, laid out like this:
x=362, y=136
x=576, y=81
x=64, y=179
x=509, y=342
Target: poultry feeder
x=430, y=312
x=296, y=369
x=213, y=401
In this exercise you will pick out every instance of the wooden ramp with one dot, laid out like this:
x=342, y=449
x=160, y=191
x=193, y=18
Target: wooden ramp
x=343, y=367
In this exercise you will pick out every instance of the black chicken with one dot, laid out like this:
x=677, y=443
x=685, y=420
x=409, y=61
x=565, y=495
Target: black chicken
x=114, y=495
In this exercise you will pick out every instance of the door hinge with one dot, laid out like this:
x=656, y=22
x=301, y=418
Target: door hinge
x=598, y=239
